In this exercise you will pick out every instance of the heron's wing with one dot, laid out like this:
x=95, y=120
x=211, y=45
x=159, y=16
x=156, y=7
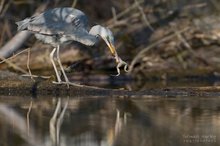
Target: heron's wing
x=58, y=21
x=67, y=23
x=82, y=36
x=67, y=31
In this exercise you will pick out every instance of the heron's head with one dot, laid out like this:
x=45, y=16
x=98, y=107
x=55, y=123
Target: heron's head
x=106, y=35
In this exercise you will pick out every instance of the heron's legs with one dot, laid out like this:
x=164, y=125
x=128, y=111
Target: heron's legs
x=54, y=65
x=60, y=64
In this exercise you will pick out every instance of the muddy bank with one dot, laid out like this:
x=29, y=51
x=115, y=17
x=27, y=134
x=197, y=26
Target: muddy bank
x=15, y=85
x=45, y=89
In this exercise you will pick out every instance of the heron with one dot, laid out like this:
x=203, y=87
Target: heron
x=61, y=26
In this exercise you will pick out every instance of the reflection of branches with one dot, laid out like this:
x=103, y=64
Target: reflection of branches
x=19, y=126
x=28, y=117
x=56, y=122
x=120, y=122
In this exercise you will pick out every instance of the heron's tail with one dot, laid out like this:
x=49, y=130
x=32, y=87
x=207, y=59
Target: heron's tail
x=22, y=25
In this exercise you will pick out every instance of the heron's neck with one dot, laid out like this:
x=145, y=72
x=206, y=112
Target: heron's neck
x=91, y=39
x=96, y=31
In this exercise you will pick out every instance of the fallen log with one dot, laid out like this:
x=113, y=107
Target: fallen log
x=46, y=88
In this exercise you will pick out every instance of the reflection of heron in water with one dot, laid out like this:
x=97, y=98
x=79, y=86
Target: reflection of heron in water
x=62, y=25
x=56, y=121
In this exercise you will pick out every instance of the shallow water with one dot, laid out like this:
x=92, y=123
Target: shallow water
x=109, y=121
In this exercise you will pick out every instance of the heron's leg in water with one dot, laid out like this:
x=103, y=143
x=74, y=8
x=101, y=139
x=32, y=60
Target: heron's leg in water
x=54, y=65
x=60, y=64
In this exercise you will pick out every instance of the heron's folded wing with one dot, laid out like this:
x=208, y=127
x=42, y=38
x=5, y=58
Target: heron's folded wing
x=46, y=30
x=58, y=21
x=67, y=23
x=82, y=36
x=39, y=24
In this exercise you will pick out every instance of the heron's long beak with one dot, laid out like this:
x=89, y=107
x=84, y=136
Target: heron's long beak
x=111, y=47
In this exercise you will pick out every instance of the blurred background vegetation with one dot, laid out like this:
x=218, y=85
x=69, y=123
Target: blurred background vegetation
x=153, y=36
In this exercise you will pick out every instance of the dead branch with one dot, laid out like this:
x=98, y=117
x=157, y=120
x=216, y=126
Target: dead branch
x=4, y=8
x=74, y=3
x=190, y=49
x=18, y=40
x=141, y=53
x=1, y=5
x=123, y=13
x=4, y=60
x=14, y=44
x=146, y=22
x=16, y=67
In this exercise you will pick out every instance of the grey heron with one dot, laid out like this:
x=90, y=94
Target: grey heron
x=59, y=26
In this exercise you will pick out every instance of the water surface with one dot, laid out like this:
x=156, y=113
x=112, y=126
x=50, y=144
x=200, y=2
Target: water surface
x=106, y=121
